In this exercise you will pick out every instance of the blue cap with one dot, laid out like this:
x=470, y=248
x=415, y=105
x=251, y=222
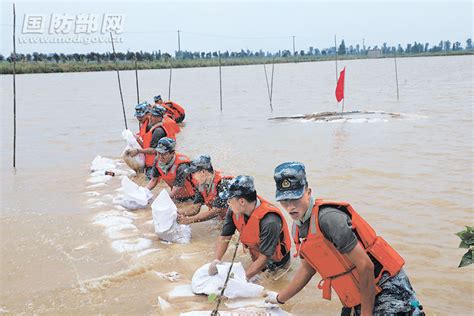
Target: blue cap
x=157, y=98
x=290, y=180
x=237, y=187
x=199, y=163
x=157, y=111
x=141, y=109
x=165, y=145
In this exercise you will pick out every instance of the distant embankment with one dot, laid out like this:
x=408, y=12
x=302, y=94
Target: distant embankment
x=86, y=66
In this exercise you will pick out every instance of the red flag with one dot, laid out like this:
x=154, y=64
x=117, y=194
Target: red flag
x=340, y=86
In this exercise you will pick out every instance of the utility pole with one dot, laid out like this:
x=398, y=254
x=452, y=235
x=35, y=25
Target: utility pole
x=179, y=42
x=294, y=51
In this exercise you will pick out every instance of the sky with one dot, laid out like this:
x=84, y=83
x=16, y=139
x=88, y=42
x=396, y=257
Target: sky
x=234, y=25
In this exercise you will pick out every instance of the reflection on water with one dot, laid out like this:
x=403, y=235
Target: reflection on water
x=410, y=178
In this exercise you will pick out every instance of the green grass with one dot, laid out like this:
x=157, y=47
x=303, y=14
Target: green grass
x=51, y=67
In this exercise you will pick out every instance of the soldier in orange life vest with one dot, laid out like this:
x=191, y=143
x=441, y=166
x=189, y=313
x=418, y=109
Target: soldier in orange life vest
x=174, y=110
x=151, y=131
x=334, y=240
x=170, y=166
x=211, y=182
x=262, y=227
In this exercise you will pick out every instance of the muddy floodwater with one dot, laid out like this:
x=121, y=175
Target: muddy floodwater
x=411, y=177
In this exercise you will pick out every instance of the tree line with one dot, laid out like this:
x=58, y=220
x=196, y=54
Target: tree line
x=342, y=49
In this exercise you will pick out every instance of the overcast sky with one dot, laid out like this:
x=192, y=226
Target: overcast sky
x=235, y=25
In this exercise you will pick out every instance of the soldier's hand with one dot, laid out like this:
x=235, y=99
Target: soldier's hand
x=213, y=267
x=271, y=298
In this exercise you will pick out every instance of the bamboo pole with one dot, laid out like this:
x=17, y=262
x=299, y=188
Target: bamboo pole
x=215, y=312
x=220, y=80
x=273, y=71
x=14, y=88
x=335, y=50
x=136, y=79
x=119, y=83
x=396, y=73
x=268, y=87
x=169, y=82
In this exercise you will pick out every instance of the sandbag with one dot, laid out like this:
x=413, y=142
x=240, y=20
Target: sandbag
x=102, y=164
x=136, y=163
x=164, y=220
x=134, y=196
x=203, y=283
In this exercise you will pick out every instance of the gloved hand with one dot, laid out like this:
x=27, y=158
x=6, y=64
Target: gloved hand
x=132, y=152
x=213, y=267
x=271, y=298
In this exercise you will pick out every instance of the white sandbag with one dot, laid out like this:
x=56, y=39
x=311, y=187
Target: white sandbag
x=136, y=163
x=164, y=220
x=99, y=179
x=164, y=212
x=122, y=231
x=102, y=164
x=131, y=245
x=203, y=283
x=183, y=290
x=134, y=196
x=273, y=311
x=178, y=234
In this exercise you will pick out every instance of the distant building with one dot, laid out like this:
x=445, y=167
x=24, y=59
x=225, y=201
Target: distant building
x=374, y=53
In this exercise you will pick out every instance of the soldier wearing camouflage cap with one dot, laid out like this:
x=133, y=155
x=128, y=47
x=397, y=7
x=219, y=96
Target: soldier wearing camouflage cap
x=262, y=227
x=151, y=131
x=332, y=239
x=170, y=166
x=210, y=183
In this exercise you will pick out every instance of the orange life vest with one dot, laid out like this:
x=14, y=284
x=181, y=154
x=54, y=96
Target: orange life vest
x=142, y=131
x=212, y=194
x=171, y=127
x=174, y=109
x=170, y=176
x=168, y=125
x=250, y=231
x=336, y=270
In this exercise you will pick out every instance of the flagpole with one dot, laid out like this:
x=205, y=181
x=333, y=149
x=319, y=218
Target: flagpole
x=344, y=91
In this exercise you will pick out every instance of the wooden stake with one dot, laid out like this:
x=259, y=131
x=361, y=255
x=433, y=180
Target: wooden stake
x=271, y=86
x=136, y=79
x=118, y=78
x=268, y=87
x=396, y=73
x=335, y=49
x=169, y=82
x=14, y=88
x=220, y=79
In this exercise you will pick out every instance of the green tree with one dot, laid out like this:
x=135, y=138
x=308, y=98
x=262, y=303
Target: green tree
x=342, y=48
x=469, y=43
